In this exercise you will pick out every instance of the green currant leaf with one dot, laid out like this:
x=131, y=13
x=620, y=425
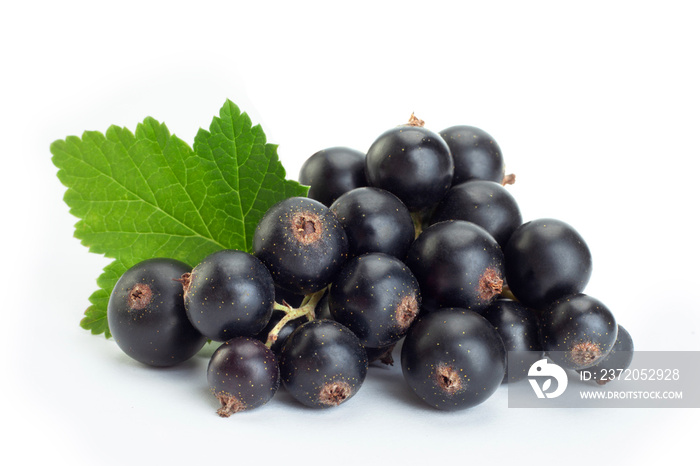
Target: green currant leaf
x=149, y=194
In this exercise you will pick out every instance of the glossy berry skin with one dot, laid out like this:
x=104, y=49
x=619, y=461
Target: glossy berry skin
x=457, y=264
x=485, y=203
x=577, y=331
x=375, y=221
x=519, y=330
x=302, y=243
x=243, y=374
x=377, y=297
x=323, y=311
x=331, y=172
x=146, y=314
x=453, y=359
x=618, y=359
x=476, y=154
x=229, y=294
x=323, y=364
x=546, y=259
x=411, y=162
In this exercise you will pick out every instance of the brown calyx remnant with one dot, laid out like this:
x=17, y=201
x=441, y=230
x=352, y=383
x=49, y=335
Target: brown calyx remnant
x=229, y=405
x=334, y=393
x=508, y=179
x=307, y=227
x=490, y=284
x=185, y=281
x=448, y=379
x=386, y=358
x=406, y=311
x=139, y=296
x=415, y=121
x=585, y=353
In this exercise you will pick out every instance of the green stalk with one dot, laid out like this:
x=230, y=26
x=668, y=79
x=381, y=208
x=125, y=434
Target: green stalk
x=306, y=309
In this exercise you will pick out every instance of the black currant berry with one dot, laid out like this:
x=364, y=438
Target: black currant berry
x=519, y=330
x=457, y=264
x=229, y=294
x=577, y=331
x=332, y=172
x=476, y=154
x=618, y=359
x=453, y=359
x=411, y=162
x=243, y=374
x=323, y=364
x=146, y=314
x=485, y=203
x=302, y=244
x=375, y=221
x=546, y=259
x=377, y=297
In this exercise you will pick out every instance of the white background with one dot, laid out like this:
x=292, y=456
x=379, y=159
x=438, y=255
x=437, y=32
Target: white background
x=595, y=106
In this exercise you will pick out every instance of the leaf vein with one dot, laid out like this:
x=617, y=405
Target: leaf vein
x=139, y=197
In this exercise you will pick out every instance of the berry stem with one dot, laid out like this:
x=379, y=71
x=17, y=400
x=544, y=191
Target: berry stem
x=506, y=293
x=284, y=306
x=306, y=309
x=417, y=222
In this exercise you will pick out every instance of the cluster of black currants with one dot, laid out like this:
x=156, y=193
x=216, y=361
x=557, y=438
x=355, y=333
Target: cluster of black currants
x=416, y=241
